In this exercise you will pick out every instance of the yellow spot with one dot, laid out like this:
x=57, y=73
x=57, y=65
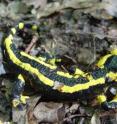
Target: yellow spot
x=10, y=36
x=21, y=25
x=34, y=27
x=16, y=102
x=13, y=30
x=20, y=77
x=23, y=99
x=101, y=98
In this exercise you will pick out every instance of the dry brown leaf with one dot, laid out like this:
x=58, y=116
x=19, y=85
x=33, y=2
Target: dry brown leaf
x=49, y=112
x=57, y=7
x=111, y=7
x=74, y=108
x=36, y=3
x=95, y=119
x=112, y=33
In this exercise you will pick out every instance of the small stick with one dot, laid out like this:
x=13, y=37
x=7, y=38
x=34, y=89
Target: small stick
x=108, y=113
x=64, y=68
x=32, y=43
x=76, y=115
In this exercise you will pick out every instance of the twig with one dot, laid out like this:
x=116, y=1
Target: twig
x=64, y=68
x=76, y=115
x=108, y=113
x=32, y=43
x=70, y=58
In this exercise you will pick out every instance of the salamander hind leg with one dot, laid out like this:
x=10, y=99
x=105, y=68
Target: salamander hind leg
x=18, y=99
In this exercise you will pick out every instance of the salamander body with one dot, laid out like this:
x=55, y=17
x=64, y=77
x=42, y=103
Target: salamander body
x=55, y=84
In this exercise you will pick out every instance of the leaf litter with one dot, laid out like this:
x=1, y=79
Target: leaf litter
x=81, y=30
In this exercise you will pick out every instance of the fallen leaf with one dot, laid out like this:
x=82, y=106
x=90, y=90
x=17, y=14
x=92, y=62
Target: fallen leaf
x=36, y=3
x=95, y=119
x=112, y=33
x=49, y=112
x=15, y=8
x=57, y=6
x=3, y=10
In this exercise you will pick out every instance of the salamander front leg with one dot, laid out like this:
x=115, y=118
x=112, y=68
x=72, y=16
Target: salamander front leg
x=107, y=105
x=110, y=105
x=18, y=99
x=111, y=94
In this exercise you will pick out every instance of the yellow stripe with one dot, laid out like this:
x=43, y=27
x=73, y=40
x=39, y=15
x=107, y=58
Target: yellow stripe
x=64, y=74
x=114, y=52
x=101, y=62
x=112, y=76
x=26, y=66
x=47, y=65
x=80, y=87
x=41, y=58
x=114, y=99
x=79, y=72
x=37, y=60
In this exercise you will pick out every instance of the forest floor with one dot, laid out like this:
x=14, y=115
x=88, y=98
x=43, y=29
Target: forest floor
x=80, y=32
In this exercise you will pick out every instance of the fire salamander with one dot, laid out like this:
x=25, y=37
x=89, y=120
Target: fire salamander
x=55, y=84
